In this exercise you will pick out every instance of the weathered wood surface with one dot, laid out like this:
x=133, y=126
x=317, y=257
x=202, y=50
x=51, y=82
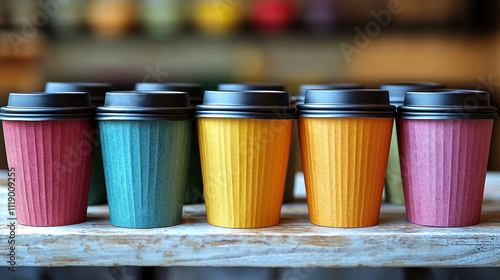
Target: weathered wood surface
x=293, y=243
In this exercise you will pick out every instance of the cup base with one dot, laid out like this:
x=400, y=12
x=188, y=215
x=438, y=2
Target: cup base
x=444, y=165
x=244, y=227
x=343, y=225
x=244, y=163
x=67, y=223
x=429, y=224
x=120, y=225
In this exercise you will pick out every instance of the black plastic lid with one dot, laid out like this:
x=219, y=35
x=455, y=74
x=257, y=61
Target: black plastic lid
x=397, y=91
x=97, y=91
x=306, y=87
x=43, y=106
x=347, y=103
x=158, y=105
x=258, y=104
x=251, y=87
x=447, y=104
x=195, y=91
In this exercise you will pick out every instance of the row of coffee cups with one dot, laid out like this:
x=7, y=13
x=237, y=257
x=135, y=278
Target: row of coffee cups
x=149, y=145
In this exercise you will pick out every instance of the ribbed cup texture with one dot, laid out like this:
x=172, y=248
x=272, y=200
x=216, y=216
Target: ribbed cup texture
x=53, y=163
x=244, y=163
x=344, y=161
x=443, y=164
x=97, y=193
x=194, y=184
x=393, y=182
x=145, y=165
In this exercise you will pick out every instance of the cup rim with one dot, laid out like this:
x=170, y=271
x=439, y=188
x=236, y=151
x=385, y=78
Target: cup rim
x=43, y=106
x=447, y=104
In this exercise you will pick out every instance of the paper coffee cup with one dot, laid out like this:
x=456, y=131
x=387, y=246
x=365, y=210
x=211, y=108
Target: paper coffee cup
x=444, y=141
x=345, y=137
x=146, y=141
x=194, y=184
x=244, y=144
x=48, y=139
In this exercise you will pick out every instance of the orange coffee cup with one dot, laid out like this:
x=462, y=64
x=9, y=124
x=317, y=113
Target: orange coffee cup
x=345, y=137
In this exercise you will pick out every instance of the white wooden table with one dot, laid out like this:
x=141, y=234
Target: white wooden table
x=295, y=242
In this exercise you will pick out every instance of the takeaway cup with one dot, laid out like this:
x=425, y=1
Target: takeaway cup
x=344, y=138
x=444, y=141
x=48, y=139
x=244, y=145
x=146, y=141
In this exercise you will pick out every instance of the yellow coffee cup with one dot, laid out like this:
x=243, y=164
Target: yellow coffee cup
x=345, y=137
x=244, y=142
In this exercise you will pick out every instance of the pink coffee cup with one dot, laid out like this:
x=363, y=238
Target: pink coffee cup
x=444, y=144
x=48, y=139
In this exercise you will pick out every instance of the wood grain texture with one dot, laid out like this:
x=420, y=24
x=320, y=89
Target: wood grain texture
x=295, y=242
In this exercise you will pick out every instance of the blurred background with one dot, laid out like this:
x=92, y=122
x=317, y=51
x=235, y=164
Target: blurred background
x=286, y=41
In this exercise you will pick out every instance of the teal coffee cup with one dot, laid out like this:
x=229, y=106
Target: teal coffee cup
x=146, y=142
